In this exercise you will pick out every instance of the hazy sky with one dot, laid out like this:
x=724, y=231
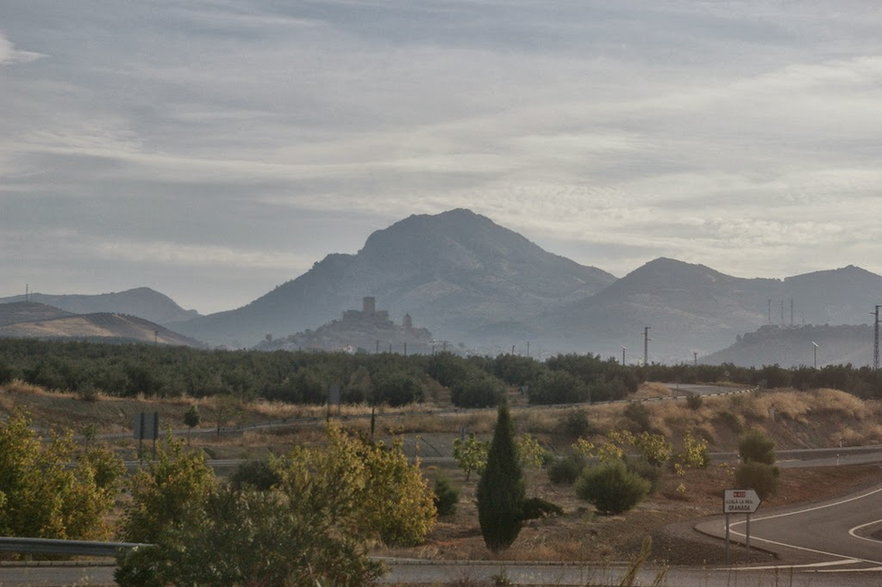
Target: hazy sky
x=214, y=149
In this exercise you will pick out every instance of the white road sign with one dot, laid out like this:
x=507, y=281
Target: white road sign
x=740, y=501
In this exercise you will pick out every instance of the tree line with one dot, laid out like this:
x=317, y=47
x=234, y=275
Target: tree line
x=89, y=368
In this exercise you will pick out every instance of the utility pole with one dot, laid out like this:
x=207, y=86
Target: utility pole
x=624, y=348
x=646, y=346
x=876, y=340
x=695, y=358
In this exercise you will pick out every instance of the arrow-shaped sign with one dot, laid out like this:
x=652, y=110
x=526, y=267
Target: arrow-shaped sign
x=740, y=501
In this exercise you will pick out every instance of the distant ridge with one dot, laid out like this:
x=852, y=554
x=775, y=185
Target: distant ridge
x=141, y=301
x=32, y=320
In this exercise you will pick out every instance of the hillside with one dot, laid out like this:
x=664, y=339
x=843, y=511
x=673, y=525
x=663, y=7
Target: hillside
x=32, y=320
x=692, y=308
x=457, y=271
x=142, y=301
x=794, y=347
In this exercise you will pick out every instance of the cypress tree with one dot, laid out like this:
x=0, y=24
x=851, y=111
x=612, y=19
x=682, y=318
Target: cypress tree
x=501, y=488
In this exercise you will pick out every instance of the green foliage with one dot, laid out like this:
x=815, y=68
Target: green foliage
x=51, y=490
x=471, y=454
x=558, y=387
x=755, y=447
x=192, y=417
x=655, y=448
x=645, y=470
x=536, y=507
x=257, y=475
x=168, y=494
x=611, y=487
x=396, y=388
x=694, y=454
x=478, y=390
x=638, y=414
x=501, y=488
x=530, y=452
x=367, y=488
x=565, y=470
x=250, y=538
x=446, y=496
x=761, y=477
x=576, y=424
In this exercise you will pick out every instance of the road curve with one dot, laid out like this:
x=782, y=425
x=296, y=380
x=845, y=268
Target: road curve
x=826, y=538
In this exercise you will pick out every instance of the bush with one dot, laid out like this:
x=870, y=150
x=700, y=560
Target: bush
x=558, y=387
x=646, y=470
x=565, y=470
x=694, y=401
x=611, y=488
x=446, y=496
x=755, y=447
x=576, y=425
x=477, y=391
x=638, y=413
x=536, y=507
x=257, y=475
x=761, y=477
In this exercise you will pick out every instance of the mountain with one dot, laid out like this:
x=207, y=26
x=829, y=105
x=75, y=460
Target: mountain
x=142, y=301
x=455, y=272
x=33, y=320
x=794, y=346
x=692, y=308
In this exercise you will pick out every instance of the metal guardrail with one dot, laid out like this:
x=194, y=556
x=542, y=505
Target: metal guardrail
x=65, y=547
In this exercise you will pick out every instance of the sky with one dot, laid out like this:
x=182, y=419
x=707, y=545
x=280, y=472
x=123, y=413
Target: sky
x=214, y=149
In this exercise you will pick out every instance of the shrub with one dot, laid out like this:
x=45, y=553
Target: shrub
x=694, y=401
x=755, y=447
x=446, y=496
x=477, y=391
x=638, y=413
x=558, y=387
x=646, y=470
x=565, y=470
x=536, y=507
x=761, y=477
x=576, y=424
x=257, y=475
x=611, y=488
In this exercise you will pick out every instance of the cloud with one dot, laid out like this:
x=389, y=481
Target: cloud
x=10, y=55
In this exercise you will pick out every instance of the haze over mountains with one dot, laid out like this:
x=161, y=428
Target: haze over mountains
x=470, y=280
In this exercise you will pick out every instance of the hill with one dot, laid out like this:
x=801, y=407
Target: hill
x=692, y=308
x=793, y=346
x=141, y=301
x=457, y=270
x=32, y=320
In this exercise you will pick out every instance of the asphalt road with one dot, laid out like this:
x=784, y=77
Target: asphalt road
x=829, y=540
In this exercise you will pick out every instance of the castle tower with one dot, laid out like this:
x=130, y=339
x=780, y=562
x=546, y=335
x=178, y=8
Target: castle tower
x=369, y=305
x=407, y=322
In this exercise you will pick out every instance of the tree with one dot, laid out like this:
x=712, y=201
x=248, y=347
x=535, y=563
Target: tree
x=470, y=453
x=755, y=447
x=501, y=488
x=48, y=489
x=192, y=418
x=365, y=488
x=251, y=538
x=170, y=493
